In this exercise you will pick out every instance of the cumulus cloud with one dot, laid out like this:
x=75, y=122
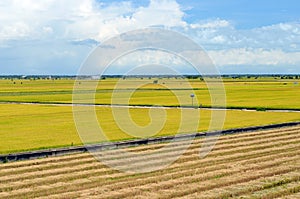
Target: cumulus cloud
x=82, y=20
x=151, y=59
x=16, y=30
x=104, y=22
x=252, y=57
x=160, y=12
x=92, y=20
x=221, y=34
x=78, y=25
x=211, y=24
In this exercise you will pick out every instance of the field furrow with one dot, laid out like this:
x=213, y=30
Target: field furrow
x=262, y=164
x=99, y=170
x=153, y=178
x=88, y=162
x=251, y=189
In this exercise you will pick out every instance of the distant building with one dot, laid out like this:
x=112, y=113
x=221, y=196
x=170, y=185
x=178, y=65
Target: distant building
x=95, y=77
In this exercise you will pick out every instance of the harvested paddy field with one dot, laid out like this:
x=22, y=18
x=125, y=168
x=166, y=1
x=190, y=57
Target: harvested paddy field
x=262, y=164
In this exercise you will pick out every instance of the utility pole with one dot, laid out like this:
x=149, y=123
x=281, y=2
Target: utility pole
x=192, y=96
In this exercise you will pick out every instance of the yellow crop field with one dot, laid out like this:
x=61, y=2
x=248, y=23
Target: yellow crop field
x=28, y=127
x=245, y=93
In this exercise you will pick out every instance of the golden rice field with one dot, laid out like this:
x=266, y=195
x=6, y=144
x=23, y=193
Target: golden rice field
x=26, y=127
x=32, y=127
x=263, y=164
x=243, y=93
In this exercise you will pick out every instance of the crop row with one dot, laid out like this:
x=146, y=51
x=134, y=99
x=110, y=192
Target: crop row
x=263, y=163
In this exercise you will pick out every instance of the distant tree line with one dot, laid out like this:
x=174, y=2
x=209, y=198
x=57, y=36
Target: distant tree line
x=234, y=76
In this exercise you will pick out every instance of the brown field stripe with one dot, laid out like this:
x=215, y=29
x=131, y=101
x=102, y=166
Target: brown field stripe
x=176, y=183
x=259, y=187
x=35, y=162
x=287, y=192
x=157, y=158
x=284, y=186
x=229, y=138
x=194, y=149
x=292, y=193
x=54, y=160
x=115, y=155
x=59, y=164
x=72, y=170
x=85, y=193
x=268, y=157
x=227, y=180
x=201, y=174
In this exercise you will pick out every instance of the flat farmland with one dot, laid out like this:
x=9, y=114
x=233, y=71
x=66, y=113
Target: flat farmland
x=263, y=164
x=31, y=127
x=244, y=93
x=26, y=127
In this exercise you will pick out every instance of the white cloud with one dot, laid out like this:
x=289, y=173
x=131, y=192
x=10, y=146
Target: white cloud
x=89, y=19
x=251, y=57
x=149, y=57
x=78, y=23
x=150, y=62
x=160, y=12
x=47, y=30
x=211, y=24
x=221, y=34
x=17, y=30
x=22, y=19
x=82, y=19
x=105, y=22
x=64, y=54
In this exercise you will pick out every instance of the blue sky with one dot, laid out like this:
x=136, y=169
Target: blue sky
x=244, y=13
x=240, y=36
